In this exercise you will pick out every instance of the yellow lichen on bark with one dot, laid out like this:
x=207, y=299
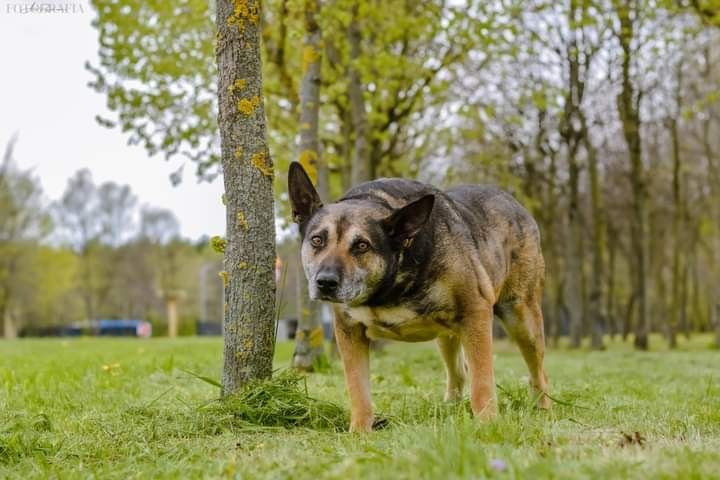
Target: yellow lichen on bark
x=238, y=153
x=259, y=161
x=238, y=84
x=307, y=159
x=247, y=106
x=316, y=337
x=244, y=10
x=309, y=56
x=242, y=265
x=218, y=243
x=225, y=278
x=242, y=221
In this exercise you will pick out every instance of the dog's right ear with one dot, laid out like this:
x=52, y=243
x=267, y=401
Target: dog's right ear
x=304, y=199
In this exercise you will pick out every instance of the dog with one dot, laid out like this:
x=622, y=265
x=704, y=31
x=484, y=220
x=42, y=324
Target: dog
x=403, y=260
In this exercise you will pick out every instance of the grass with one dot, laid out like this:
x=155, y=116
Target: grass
x=120, y=408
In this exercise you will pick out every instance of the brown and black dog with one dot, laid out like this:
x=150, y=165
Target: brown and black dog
x=405, y=261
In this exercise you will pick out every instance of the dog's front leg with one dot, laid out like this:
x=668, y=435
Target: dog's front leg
x=476, y=338
x=354, y=347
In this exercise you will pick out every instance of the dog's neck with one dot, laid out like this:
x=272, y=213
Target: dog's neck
x=406, y=273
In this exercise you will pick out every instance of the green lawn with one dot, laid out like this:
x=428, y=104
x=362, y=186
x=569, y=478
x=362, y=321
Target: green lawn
x=115, y=408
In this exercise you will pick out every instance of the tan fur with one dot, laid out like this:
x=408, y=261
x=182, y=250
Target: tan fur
x=354, y=349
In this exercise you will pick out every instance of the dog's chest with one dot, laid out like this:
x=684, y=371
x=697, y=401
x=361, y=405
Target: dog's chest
x=401, y=323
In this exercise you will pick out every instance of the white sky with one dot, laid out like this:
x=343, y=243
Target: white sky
x=45, y=99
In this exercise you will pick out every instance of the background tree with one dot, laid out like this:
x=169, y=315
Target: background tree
x=22, y=221
x=309, y=346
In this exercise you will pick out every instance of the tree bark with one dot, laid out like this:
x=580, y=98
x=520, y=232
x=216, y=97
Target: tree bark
x=248, y=177
x=610, y=310
x=572, y=136
x=172, y=316
x=309, y=336
x=716, y=314
x=595, y=307
x=362, y=170
x=628, y=106
x=9, y=327
x=573, y=283
x=676, y=241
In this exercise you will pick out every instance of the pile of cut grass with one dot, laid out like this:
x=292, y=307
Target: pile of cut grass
x=282, y=401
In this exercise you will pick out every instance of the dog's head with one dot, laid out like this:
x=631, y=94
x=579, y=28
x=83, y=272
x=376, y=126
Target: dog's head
x=350, y=248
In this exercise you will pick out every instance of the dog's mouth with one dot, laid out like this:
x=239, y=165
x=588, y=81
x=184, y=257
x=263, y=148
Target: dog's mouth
x=346, y=298
x=329, y=298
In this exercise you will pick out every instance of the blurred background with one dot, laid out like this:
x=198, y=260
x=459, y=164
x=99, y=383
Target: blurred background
x=603, y=118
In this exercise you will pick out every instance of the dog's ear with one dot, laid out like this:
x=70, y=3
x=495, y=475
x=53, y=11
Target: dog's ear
x=304, y=199
x=406, y=222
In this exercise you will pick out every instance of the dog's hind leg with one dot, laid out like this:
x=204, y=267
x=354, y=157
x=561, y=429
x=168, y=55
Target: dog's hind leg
x=524, y=322
x=454, y=367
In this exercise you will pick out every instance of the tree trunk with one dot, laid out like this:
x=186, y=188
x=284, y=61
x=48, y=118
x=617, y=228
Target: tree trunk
x=309, y=335
x=595, y=307
x=676, y=241
x=9, y=327
x=716, y=314
x=310, y=156
x=172, y=316
x=573, y=283
x=361, y=166
x=610, y=311
x=248, y=177
x=628, y=106
x=86, y=283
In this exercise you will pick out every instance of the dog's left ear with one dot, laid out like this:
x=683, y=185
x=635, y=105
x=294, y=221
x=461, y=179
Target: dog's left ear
x=304, y=199
x=407, y=221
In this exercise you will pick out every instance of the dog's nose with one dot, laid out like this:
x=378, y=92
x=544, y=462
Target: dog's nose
x=327, y=282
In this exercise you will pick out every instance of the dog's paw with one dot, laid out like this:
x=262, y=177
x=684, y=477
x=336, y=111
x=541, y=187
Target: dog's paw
x=453, y=396
x=362, y=425
x=544, y=402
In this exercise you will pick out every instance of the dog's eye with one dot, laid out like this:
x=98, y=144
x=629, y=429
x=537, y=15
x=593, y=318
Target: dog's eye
x=316, y=241
x=362, y=246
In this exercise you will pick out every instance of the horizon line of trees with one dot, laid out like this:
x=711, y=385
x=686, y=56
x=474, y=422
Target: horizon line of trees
x=95, y=253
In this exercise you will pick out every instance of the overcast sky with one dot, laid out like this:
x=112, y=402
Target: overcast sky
x=45, y=99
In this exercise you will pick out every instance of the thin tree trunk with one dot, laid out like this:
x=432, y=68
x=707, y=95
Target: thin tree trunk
x=610, y=312
x=684, y=324
x=309, y=336
x=361, y=167
x=573, y=133
x=86, y=283
x=595, y=306
x=172, y=316
x=716, y=314
x=628, y=106
x=676, y=241
x=9, y=327
x=573, y=282
x=551, y=245
x=248, y=178
x=628, y=318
